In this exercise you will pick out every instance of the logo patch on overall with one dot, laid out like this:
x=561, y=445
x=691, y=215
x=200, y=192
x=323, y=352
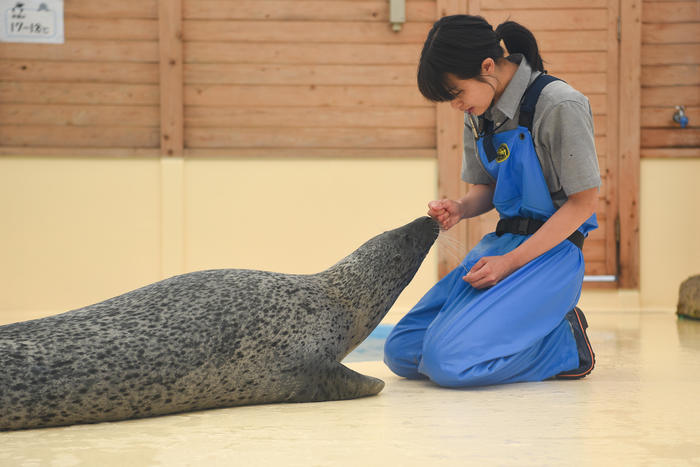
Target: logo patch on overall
x=503, y=153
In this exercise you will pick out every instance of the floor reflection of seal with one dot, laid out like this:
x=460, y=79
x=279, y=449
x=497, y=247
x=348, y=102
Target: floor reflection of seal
x=208, y=339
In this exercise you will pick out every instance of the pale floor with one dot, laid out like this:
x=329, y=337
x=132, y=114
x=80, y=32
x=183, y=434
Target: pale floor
x=641, y=406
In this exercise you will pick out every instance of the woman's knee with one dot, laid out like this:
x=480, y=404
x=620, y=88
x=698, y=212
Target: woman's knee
x=442, y=368
x=401, y=357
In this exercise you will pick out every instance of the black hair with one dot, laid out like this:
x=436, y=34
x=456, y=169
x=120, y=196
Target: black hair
x=458, y=44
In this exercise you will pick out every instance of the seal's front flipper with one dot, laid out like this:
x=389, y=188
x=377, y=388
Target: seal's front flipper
x=334, y=381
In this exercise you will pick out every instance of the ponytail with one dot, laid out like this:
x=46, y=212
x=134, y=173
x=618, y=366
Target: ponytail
x=459, y=44
x=519, y=39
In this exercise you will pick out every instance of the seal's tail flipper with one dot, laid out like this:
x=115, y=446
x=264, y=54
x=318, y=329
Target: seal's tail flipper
x=335, y=381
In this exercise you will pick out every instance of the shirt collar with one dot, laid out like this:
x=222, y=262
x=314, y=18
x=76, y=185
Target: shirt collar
x=509, y=102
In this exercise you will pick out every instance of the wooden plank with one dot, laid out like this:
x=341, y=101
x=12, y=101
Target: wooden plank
x=451, y=7
x=554, y=20
x=301, y=74
x=601, y=146
x=301, y=53
x=314, y=117
x=417, y=138
x=662, y=117
x=678, y=138
x=629, y=142
x=452, y=244
x=78, y=72
x=304, y=31
x=671, y=75
x=83, y=50
x=671, y=153
x=599, y=285
x=670, y=54
x=171, y=78
x=588, y=83
x=674, y=33
x=301, y=96
x=610, y=175
x=111, y=9
x=116, y=152
x=571, y=41
x=305, y=153
x=78, y=93
x=671, y=12
x=567, y=62
x=360, y=54
x=79, y=115
x=541, y=4
x=111, y=29
x=597, y=268
x=599, y=103
x=594, y=250
x=671, y=95
x=304, y=10
x=600, y=125
x=84, y=136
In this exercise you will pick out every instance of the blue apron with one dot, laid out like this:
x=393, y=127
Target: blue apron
x=458, y=335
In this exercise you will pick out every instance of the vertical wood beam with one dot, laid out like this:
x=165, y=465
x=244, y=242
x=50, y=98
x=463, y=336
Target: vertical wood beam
x=450, y=125
x=629, y=128
x=171, y=81
x=611, y=179
x=171, y=137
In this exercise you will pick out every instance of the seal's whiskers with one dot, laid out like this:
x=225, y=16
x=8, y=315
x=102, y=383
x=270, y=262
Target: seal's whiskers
x=452, y=247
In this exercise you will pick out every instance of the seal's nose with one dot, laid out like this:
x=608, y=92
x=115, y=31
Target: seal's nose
x=430, y=228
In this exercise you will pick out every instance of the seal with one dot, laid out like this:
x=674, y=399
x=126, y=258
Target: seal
x=208, y=339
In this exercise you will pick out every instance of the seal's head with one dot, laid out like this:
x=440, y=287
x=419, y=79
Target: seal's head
x=369, y=281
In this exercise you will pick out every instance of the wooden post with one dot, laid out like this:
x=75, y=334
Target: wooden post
x=629, y=131
x=171, y=81
x=611, y=179
x=450, y=125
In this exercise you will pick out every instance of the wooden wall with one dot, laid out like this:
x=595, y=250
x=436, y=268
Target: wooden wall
x=98, y=90
x=578, y=42
x=326, y=78
x=305, y=78
x=670, y=77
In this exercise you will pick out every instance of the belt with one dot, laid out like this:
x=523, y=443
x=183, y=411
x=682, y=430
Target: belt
x=526, y=226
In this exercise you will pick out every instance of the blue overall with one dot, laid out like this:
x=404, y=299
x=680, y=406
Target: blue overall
x=458, y=335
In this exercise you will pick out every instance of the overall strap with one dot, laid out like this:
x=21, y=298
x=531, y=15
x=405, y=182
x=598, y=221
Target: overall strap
x=532, y=94
x=488, y=140
x=527, y=112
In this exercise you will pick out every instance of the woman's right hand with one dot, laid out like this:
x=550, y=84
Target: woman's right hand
x=446, y=211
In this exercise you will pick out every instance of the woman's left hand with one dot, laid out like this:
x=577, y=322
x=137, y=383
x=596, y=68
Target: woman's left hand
x=489, y=271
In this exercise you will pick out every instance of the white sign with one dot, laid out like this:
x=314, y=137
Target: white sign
x=31, y=21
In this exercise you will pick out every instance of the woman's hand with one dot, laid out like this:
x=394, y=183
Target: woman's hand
x=446, y=211
x=489, y=271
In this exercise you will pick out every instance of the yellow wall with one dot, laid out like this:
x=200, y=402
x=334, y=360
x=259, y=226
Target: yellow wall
x=77, y=231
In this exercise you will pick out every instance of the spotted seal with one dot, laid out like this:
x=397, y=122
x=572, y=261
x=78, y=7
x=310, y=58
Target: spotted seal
x=208, y=339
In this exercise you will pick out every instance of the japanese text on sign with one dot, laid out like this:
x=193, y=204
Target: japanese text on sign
x=31, y=21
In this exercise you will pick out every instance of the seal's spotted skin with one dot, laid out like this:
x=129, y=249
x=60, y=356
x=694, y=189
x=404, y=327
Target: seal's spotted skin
x=208, y=339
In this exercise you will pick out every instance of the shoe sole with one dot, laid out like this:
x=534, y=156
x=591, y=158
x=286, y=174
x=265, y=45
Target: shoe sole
x=580, y=374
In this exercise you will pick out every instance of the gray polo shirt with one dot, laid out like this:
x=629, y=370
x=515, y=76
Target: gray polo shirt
x=562, y=130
